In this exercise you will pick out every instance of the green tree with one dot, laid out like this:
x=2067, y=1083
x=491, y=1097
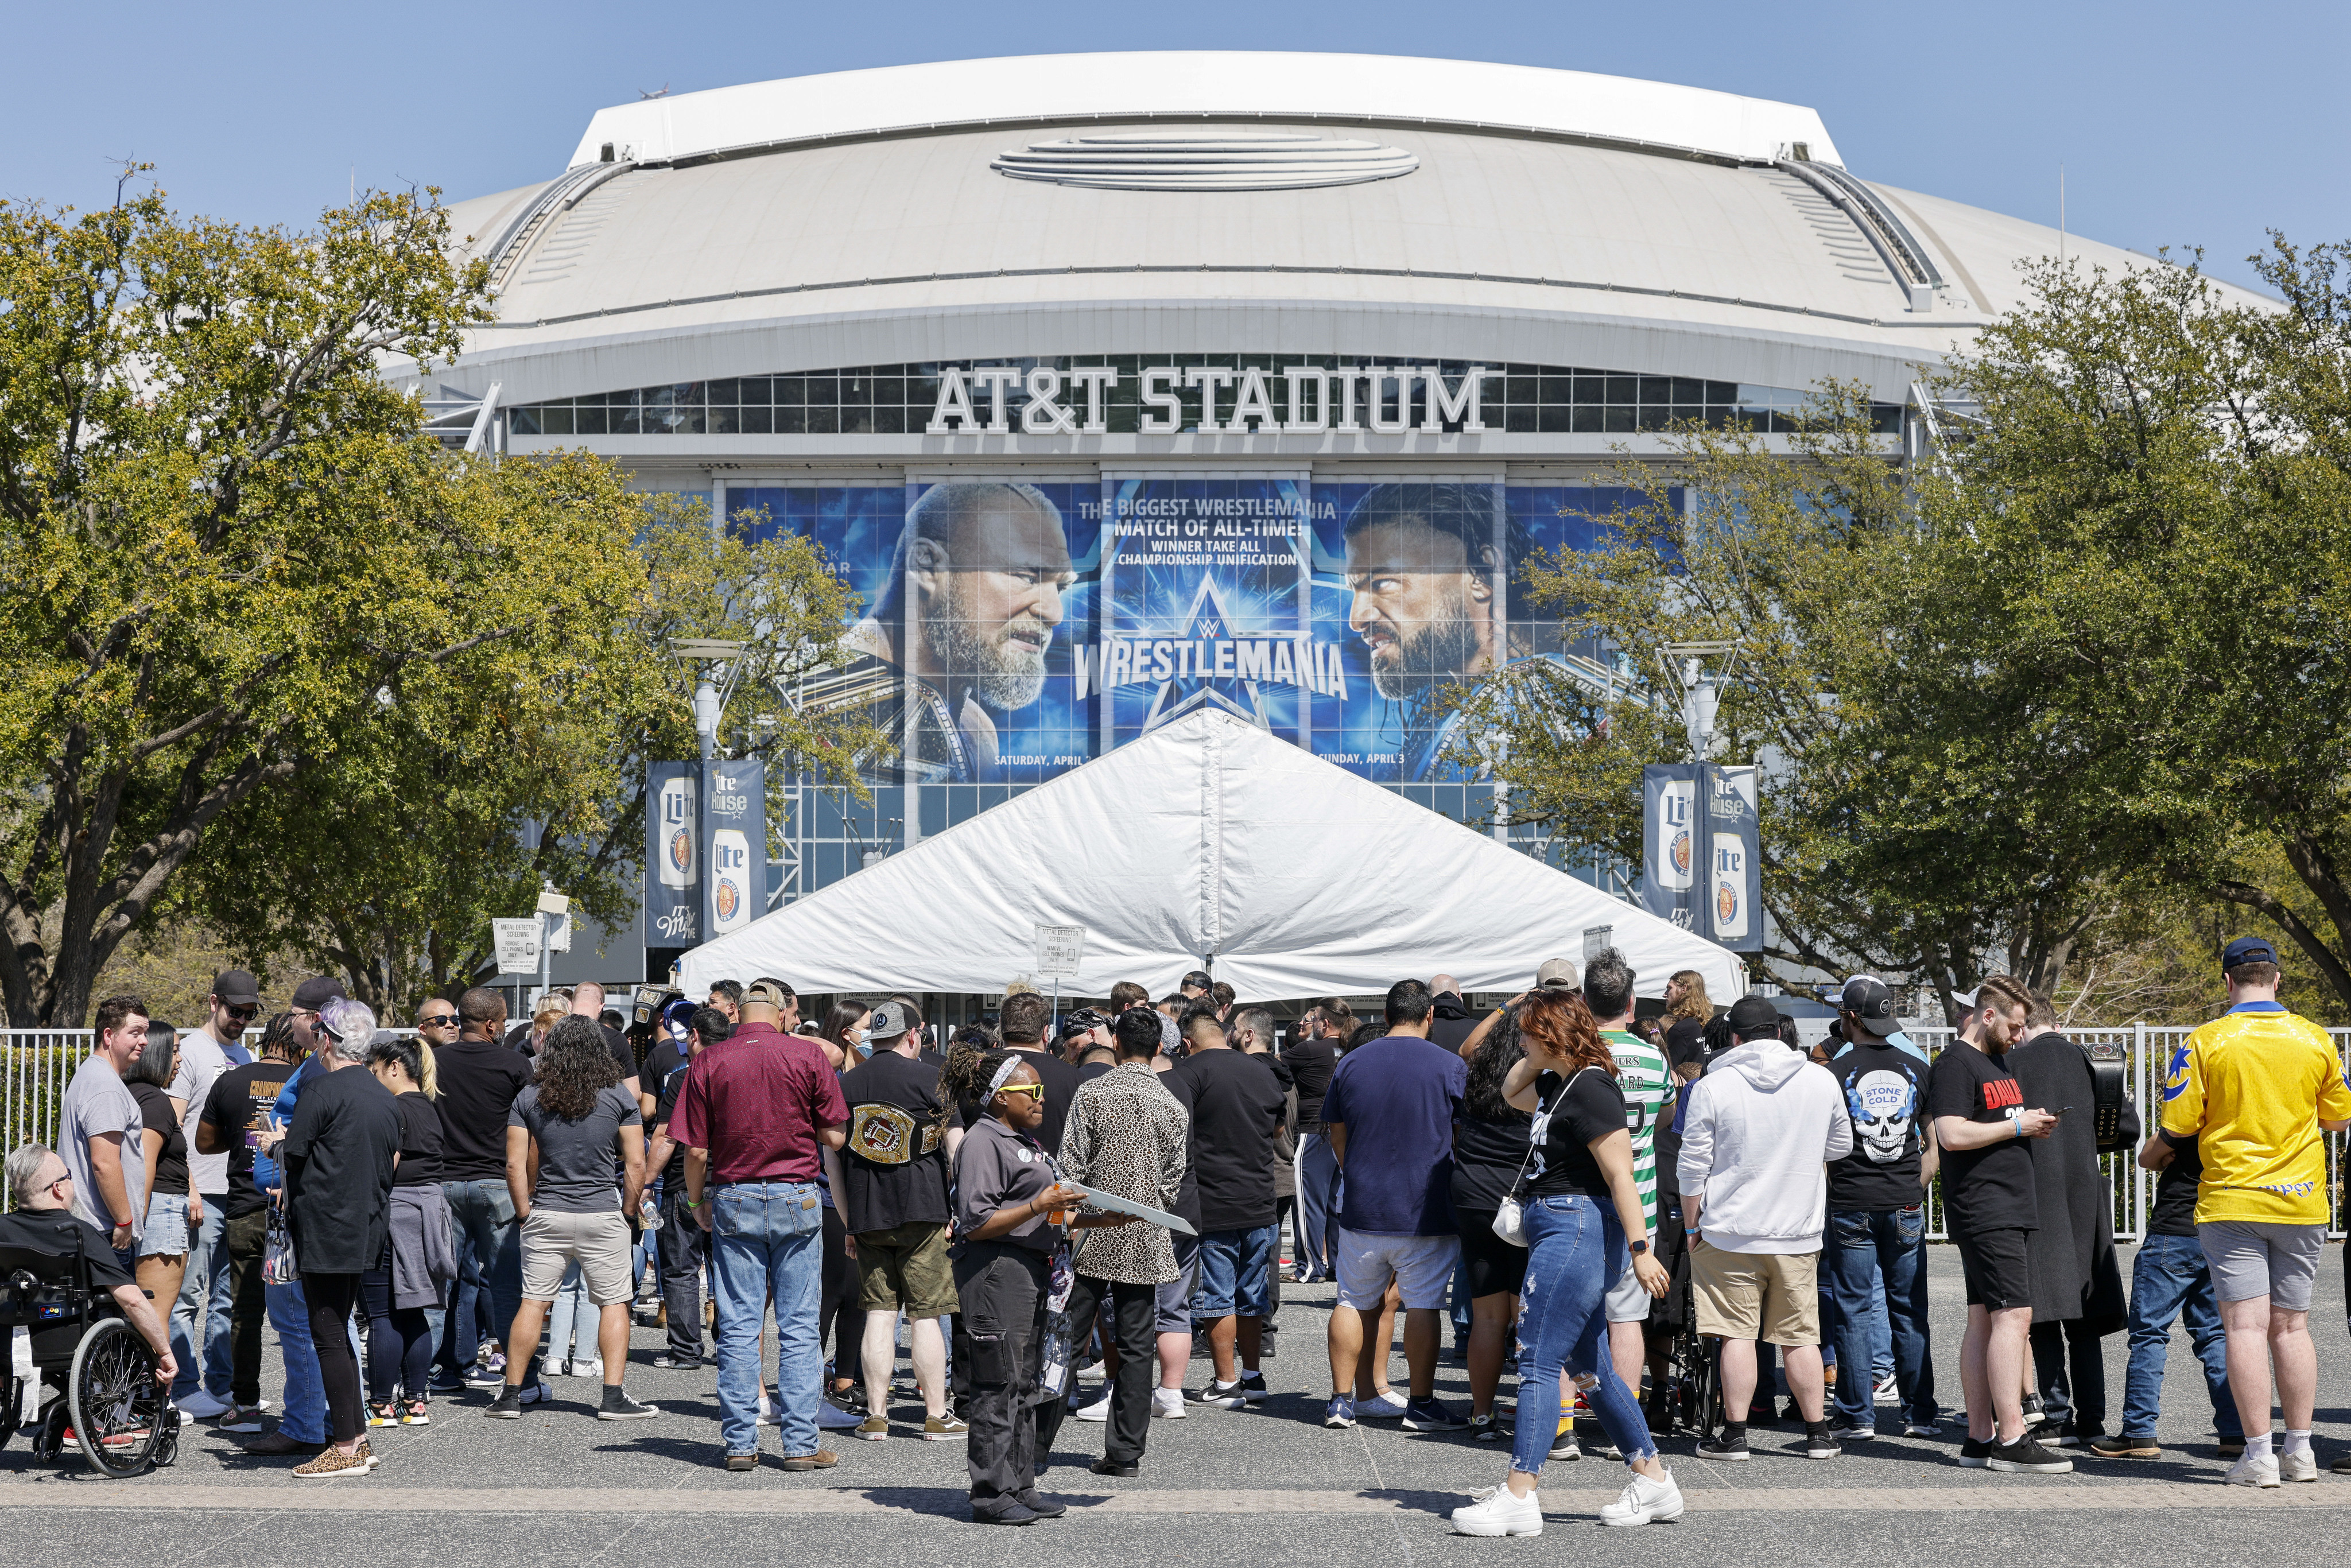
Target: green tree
x=218, y=541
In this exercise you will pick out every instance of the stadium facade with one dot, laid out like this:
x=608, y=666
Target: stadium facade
x=1120, y=384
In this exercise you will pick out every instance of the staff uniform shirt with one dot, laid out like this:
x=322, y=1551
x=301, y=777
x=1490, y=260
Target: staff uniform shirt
x=1398, y=1096
x=239, y=1108
x=1060, y=1080
x=895, y=1168
x=1988, y=1188
x=1000, y=1168
x=2250, y=1087
x=755, y=1102
x=1881, y=1088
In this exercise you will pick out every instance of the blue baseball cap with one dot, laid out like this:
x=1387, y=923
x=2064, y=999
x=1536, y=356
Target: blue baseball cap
x=2247, y=950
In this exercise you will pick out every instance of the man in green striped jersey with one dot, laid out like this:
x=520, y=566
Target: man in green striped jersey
x=1642, y=1074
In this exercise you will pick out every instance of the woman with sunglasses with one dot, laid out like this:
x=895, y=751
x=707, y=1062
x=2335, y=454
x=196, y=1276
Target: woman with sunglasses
x=1008, y=1253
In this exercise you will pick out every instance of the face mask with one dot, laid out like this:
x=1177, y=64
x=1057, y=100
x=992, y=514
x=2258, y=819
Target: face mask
x=864, y=1044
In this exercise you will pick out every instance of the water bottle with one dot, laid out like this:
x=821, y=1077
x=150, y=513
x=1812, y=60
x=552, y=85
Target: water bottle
x=649, y=1217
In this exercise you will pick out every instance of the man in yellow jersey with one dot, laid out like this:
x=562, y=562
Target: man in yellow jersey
x=2254, y=1087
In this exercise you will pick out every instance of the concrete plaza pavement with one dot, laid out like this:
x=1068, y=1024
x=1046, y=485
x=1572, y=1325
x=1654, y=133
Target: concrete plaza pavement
x=1270, y=1485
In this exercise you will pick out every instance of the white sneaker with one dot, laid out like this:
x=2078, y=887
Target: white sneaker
x=1887, y=1391
x=2249, y=1471
x=592, y=1367
x=1498, y=1512
x=203, y=1406
x=1167, y=1402
x=1388, y=1406
x=1097, y=1411
x=767, y=1412
x=1644, y=1501
x=2302, y=1467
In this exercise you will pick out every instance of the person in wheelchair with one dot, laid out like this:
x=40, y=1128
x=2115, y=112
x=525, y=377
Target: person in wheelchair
x=44, y=1241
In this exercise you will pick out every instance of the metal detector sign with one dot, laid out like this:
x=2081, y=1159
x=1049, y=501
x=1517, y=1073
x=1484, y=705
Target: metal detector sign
x=673, y=855
x=735, y=836
x=1059, y=950
x=518, y=944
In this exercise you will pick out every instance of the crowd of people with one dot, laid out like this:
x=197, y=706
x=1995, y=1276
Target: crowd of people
x=1576, y=1189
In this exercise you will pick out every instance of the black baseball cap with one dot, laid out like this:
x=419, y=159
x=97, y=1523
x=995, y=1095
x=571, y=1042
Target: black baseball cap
x=1754, y=1018
x=312, y=995
x=1869, y=1000
x=237, y=987
x=2248, y=950
x=1083, y=1019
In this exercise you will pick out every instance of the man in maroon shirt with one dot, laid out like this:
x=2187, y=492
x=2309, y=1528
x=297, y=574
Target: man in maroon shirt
x=754, y=1114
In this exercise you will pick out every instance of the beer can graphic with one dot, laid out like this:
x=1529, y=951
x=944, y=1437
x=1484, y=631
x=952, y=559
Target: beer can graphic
x=676, y=807
x=1677, y=845
x=1731, y=911
x=730, y=880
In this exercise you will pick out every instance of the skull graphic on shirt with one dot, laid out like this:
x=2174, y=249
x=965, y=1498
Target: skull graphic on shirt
x=1883, y=1104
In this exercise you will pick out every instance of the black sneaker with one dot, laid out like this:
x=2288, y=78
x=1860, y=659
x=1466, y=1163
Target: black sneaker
x=2073, y=1436
x=2342, y=1466
x=619, y=1407
x=2027, y=1456
x=666, y=1361
x=1731, y=1449
x=1121, y=1468
x=1974, y=1454
x=2125, y=1448
x=1821, y=1444
x=1253, y=1388
x=2033, y=1413
x=1219, y=1395
x=1845, y=1430
x=506, y=1407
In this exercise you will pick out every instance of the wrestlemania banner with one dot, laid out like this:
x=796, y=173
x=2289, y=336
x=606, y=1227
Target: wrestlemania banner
x=1010, y=631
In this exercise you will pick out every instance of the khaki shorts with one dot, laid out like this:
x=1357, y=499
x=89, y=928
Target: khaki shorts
x=906, y=1266
x=550, y=1241
x=1770, y=1296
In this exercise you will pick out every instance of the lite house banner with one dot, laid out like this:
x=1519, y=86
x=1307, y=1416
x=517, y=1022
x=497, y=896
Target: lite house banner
x=1672, y=853
x=735, y=845
x=1009, y=631
x=673, y=854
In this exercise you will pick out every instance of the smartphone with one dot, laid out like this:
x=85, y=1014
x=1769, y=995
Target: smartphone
x=2063, y=1110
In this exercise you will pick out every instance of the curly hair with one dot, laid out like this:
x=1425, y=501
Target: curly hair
x=574, y=1067
x=1695, y=1004
x=278, y=1038
x=1561, y=1022
x=970, y=1067
x=1497, y=1054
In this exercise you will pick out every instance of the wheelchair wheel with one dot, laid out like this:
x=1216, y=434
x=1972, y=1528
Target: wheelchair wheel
x=119, y=1408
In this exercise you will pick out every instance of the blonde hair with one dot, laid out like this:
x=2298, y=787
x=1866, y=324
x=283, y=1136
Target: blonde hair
x=1695, y=1003
x=554, y=1005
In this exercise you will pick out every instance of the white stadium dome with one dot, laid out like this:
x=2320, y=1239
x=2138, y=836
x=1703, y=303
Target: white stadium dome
x=1236, y=322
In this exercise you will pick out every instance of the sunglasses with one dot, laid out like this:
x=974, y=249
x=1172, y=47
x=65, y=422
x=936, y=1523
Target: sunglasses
x=1034, y=1091
x=439, y=1021
x=242, y=1015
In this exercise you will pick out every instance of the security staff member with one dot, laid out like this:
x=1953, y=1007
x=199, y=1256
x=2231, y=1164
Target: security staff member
x=1004, y=1265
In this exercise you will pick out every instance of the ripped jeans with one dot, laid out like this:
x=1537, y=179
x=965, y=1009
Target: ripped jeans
x=1575, y=1250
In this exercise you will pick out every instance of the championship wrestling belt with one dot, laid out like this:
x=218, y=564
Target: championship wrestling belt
x=884, y=1135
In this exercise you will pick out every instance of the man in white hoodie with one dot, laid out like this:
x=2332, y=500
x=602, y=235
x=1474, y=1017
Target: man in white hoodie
x=1757, y=1137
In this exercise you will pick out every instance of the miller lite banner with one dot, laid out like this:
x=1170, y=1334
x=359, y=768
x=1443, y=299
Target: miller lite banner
x=735, y=839
x=1699, y=865
x=673, y=854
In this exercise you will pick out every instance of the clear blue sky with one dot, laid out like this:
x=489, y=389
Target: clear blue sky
x=2178, y=125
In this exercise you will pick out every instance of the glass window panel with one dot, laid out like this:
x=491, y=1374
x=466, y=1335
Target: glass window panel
x=895, y=420
x=759, y=421
x=791, y=391
x=1618, y=419
x=1521, y=417
x=1587, y=417
x=589, y=421
x=1620, y=390
x=1555, y=418
x=523, y=421
x=723, y=420
x=823, y=420
x=1519, y=389
x=719, y=392
x=792, y=421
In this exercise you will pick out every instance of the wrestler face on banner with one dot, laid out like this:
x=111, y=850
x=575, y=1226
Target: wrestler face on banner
x=1422, y=578
x=981, y=573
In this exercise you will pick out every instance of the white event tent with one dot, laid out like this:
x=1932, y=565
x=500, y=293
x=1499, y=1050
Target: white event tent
x=1207, y=842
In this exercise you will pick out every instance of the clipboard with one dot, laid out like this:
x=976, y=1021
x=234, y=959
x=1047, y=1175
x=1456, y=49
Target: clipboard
x=1115, y=1204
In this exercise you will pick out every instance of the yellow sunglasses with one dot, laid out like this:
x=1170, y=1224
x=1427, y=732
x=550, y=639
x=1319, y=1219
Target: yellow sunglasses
x=1034, y=1091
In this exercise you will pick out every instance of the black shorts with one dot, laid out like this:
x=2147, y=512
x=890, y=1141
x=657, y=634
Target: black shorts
x=1495, y=1267
x=1998, y=1267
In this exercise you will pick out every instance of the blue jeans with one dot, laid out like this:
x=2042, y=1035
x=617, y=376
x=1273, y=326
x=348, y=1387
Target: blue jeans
x=481, y=1213
x=2169, y=1279
x=205, y=1288
x=305, y=1415
x=1857, y=1245
x=1236, y=1273
x=571, y=1312
x=767, y=1241
x=1316, y=1221
x=1575, y=1250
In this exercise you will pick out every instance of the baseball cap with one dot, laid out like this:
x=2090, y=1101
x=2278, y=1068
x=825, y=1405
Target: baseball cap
x=1559, y=974
x=237, y=987
x=771, y=993
x=1869, y=1000
x=887, y=1021
x=1754, y=1018
x=2248, y=950
x=1085, y=1019
x=313, y=994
